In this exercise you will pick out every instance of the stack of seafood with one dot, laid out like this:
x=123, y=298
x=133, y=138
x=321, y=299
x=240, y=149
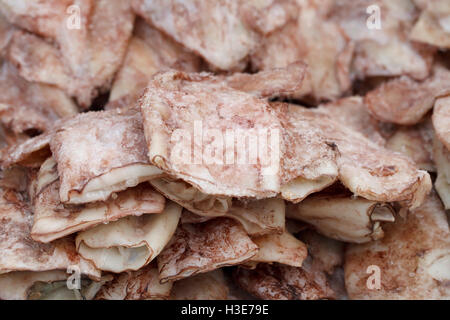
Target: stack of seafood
x=193, y=149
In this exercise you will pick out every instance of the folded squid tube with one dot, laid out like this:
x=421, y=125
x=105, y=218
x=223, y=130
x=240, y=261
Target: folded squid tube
x=336, y=150
x=258, y=217
x=21, y=253
x=299, y=188
x=344, y=218
x=191, y=198
x=309, y=163
x=99, y=153
x=100, y=188
x=129, y=243
x=167, y=149
x=53, y=220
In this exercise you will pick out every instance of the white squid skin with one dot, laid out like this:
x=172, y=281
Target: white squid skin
x=106, y=104
x=21, y=253
x=52, y=220
x=85, y=57
x=347, y=219
x=149, y=51
x=413, y=258
x=142, y=239
x=406, y=101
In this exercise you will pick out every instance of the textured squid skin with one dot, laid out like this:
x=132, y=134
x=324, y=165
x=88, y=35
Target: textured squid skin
x=21, y=253
x=83, y=58
x=199, y=248
x=95, y=144
x=413, y=258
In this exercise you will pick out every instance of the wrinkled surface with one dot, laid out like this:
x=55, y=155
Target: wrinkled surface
x=191, y=198
x=53, y=220
x=149, y=51
x=130, y=243
x=30, y=107
x=406, y=101
x=84, y=59
x=343, y=218
x=93, y=145
x=258, y=217
x=21, y=253
x=213, y=29
x=386, y=51
x=413, y=257
x=328, y=60
x=281, y=248
x=142, y=284
x=30, y=152
x=199, y=248
x=177, y=105
x=366, y=168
